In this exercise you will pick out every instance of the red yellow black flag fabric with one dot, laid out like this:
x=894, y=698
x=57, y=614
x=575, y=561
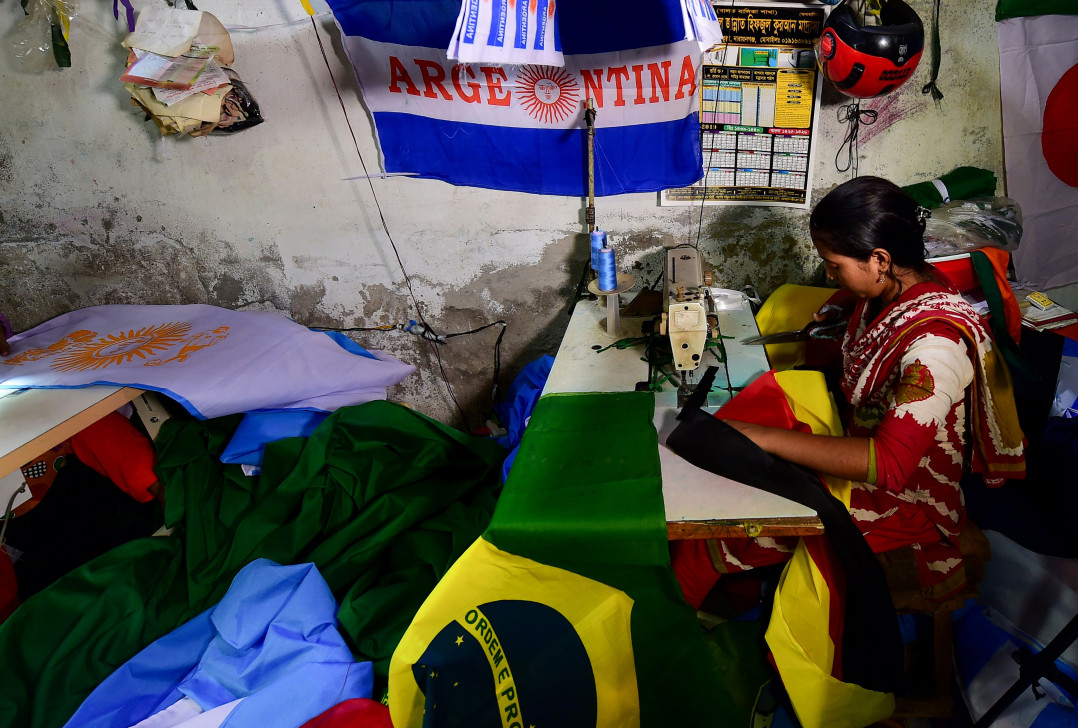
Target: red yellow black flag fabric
x=833, y=633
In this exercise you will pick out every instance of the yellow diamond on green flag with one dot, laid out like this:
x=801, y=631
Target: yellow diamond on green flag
x=504, y=640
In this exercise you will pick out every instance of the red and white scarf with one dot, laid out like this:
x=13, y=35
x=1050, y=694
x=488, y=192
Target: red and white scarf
x=872, y=350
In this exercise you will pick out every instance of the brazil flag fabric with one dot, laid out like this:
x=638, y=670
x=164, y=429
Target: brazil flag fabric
x=565, y=612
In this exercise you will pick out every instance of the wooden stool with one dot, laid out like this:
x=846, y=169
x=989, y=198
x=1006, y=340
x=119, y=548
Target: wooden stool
x=909, y=598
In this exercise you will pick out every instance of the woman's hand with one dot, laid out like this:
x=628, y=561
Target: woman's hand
x=828, y=312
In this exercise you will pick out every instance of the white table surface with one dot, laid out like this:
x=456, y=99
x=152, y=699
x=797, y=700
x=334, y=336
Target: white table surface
x=34, y=420
x=698, y=503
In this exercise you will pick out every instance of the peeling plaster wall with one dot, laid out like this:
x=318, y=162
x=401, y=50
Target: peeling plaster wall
x=96, y=207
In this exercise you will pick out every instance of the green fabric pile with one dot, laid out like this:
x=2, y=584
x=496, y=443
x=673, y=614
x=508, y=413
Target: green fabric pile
x=1024, y=8
x=961, y=183
x=380, y=498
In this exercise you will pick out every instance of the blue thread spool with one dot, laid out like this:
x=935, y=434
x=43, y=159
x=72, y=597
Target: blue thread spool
x=607, y=270
x=598, y=242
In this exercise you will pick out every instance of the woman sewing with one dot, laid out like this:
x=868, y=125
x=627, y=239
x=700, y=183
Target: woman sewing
x=928, y=397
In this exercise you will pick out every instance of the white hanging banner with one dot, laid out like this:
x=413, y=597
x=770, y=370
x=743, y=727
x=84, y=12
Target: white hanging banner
x=507, y=31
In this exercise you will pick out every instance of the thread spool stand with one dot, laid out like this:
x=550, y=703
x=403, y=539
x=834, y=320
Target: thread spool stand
x=613, y=305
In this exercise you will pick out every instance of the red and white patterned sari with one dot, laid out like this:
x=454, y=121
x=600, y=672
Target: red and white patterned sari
x=907, y=373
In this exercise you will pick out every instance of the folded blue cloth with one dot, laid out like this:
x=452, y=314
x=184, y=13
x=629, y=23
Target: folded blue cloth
x=248, y=443
x=272, y=641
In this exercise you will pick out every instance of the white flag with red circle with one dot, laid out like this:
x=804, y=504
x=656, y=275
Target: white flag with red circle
x=1038, y=64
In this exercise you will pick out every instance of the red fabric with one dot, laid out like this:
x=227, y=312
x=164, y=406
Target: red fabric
x=901, y=442
x=1059, y=142
x=9, y=587
x=959, y=273
x=693, y=569
x=354, y=713
x=762, y=402
x=1071, y=331
x=823, y=555
x=873, y=347
x=115, y=449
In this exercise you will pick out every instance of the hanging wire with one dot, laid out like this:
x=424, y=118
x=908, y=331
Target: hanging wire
x=703, y=193
x=710, y=155
x=7, y=516
x=421, y=330
x=495, y=393
x=853, y=116
x=389, y=236
x=931, y=87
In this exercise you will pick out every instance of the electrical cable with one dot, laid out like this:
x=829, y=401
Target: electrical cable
x=931, y=87
x=703, y=192
x=438, y=339
x=854, y=117
x=7, y=515
x=389, y=236
x=711, y=152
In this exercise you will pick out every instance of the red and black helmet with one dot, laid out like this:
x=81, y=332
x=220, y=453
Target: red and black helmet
x=870, y=60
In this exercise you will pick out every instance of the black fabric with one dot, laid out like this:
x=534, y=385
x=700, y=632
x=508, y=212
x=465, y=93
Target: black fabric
x=82, y=516
x=1037, y=513
x=872, y=652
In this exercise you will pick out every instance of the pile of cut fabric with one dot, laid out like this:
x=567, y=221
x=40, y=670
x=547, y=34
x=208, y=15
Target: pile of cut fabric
x=179, y=73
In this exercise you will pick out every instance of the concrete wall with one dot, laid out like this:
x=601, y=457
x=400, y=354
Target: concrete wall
x=96, y=207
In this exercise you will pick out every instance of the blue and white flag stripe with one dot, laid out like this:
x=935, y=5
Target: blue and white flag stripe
x=521, y=126
x=507, y=31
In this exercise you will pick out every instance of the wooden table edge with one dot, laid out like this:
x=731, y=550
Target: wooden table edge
x=742, y=528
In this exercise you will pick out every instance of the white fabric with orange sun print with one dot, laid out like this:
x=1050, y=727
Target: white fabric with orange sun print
x=212, y=360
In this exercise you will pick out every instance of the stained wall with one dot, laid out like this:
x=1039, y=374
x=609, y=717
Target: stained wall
x=96, y=207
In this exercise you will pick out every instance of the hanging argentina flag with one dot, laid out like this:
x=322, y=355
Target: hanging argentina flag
x=521, y=127
x=212, y=360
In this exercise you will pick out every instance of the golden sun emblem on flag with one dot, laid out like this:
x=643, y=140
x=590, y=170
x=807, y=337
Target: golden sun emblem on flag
x=114, y=349
x=548, y=94
x=84, y=350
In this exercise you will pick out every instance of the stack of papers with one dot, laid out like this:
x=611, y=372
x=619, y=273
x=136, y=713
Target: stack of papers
x=180, y=72
x=1044, y=319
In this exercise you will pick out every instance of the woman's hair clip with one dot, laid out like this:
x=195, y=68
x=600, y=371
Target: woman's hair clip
x=923, y=213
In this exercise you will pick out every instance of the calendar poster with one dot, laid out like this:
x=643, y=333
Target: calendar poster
x=759, y=102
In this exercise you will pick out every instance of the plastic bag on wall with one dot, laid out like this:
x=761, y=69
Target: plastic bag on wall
x=965, y=225
x=239, y=110
x=39, y=41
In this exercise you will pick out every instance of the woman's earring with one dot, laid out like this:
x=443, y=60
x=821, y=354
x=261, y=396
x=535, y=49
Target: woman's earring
x=880, y=279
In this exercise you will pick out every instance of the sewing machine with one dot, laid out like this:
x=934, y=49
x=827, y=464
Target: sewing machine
x=688, y=311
